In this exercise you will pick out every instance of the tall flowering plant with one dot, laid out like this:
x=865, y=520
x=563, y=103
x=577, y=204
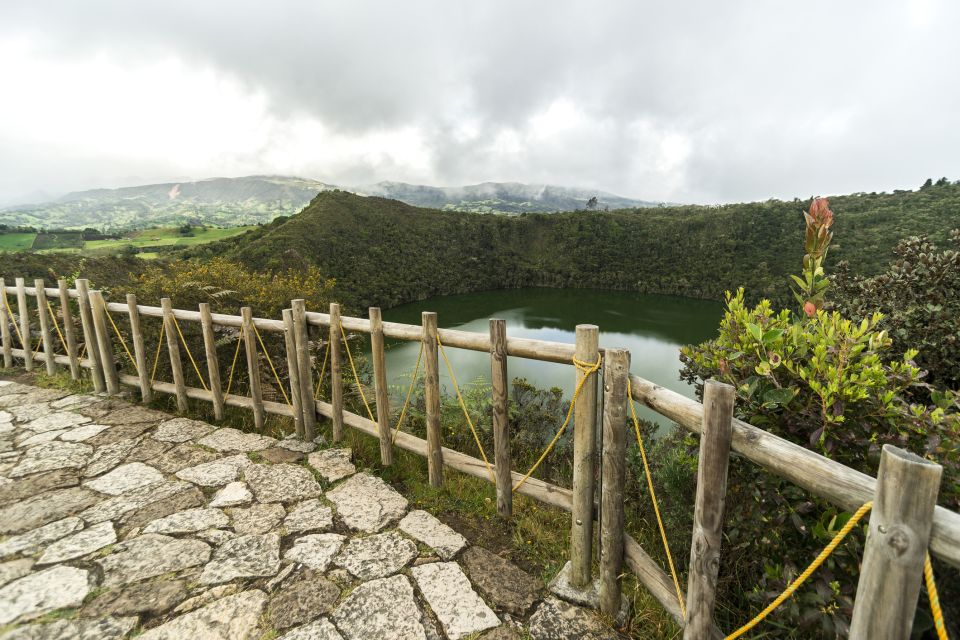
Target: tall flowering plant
x=811, y=287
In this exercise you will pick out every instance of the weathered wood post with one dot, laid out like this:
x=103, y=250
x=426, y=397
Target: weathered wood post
x=90, y=335
x=213, y=364
x=302, y=340
x=293, y=370
x=69, y=330
x=501, y=417
x=173, y=349
x=615, y=373
x=139, y=350
x=584, y=458
x=5, y=328
x=897, y=540
x=99, y=310
x=431, y=392
x=336, y=381
x=718, y=399
x=46, y=334
x=253, y=366
x=24, y=312
x=380, y=386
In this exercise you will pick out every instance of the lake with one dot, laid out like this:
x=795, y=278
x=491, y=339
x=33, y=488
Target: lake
x=652, y=327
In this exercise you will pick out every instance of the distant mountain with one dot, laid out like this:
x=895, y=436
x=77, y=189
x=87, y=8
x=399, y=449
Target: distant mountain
x=499, y=197
x=223, y=202
x=229, y=202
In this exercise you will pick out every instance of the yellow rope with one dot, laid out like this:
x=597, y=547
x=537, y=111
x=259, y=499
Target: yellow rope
x=156, y=356
x=186, y=347
x=588, y=369
x=653, y=498
x=116, y=330
x=406, y=403
x=233, y=365
x=837, y=539
x=14, y=323
x=266, y=354
x=356, y=378
x=323, y=368
x=56, y=326
x=83, y=351
x=463, y=405
x=938, y=623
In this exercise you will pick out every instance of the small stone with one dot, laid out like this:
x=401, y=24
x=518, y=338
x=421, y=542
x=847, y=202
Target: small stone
x=30, y=439
x=181, y=430
x=117, y=506
x=108, y=456
x=588, y=596
x=188, y=498
x=183, y=456
x=309, y=515
x=37, y=593
x=80, y=544
x=46, y=507
x=39, y=483
x=50, y=456
x=377, y=556
x=148, y=450
x=381, y=609
x=277, y=455
x=367, y=503
x=316, y=550
x=296, y=445
x=229, y=439
x=433, y=533
x=120, y=432
x=281, y=483
x=332, y=464
x=280, y=577
x=502, y=632
x=31, y=541
x=85, y=432
x=501, y=582
x=260, y=518
x=55, y=421
x=188, y=521
x=150, y=555
x=150, y=598
x=106, y=629
x=125, y=478
x=233, y=617
x=206, y=597
x=302, y=601
x=216, y=537
x=16, y=569
x=128, y=414
x=216, y=473
x=74, y=401
x=250, y=556
x=559, y=620
x=457, y=606
x=321, y=629
x=234, y=494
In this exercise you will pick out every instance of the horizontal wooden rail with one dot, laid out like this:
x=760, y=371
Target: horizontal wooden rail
x=50, y=291
x=819, y=475
x=60, y=359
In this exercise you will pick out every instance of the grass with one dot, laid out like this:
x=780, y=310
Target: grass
x=16, y=241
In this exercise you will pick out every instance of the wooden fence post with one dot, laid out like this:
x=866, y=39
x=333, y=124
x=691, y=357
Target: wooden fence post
x=293, y=369
x=24, y=312
x=381, y=391
x=302, y=341
x=500, y=382
x=615, y=373
x=47, y=335
x=897, y=540
x=584, y=459
x=69, y=330
x=253, y=366
x=173, y=348
x=213, y=364
x=107, y=361
x=5, y=327
x=431, y=392
x=90, y=335
x=336, y=381
x=139, y=350
x=718, y=399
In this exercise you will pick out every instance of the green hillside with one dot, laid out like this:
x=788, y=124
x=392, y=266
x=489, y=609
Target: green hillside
x=384, y=252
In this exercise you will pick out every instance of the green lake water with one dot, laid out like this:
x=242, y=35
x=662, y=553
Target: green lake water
x=652, y=327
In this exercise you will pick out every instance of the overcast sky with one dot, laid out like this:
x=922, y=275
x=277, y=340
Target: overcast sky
x=680, y=101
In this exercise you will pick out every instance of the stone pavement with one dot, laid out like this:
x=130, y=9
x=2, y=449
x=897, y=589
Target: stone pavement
x=119, y=521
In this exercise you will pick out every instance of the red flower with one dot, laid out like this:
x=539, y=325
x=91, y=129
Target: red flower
x=820, y=212
x=810, y=309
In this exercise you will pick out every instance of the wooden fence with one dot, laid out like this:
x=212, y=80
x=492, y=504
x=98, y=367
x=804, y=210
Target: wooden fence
x=904, y=523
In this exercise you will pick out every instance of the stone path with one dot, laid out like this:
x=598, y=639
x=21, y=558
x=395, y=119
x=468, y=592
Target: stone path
x=119, y=521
